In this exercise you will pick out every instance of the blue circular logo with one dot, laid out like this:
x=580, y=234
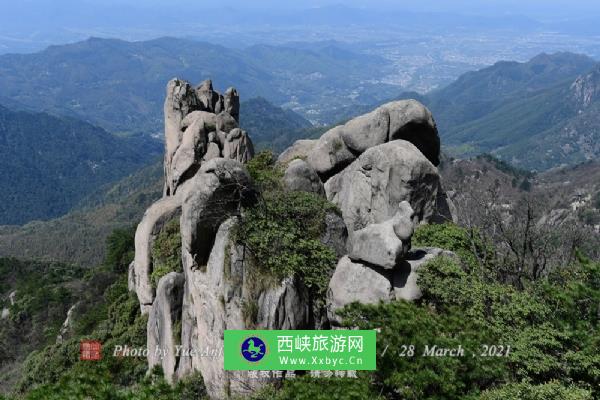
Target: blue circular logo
x=253, y=349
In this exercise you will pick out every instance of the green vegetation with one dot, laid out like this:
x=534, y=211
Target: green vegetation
x=107, y=312
x=49, y=163
x=83, y=231
x=518, y=111
x=85, y=79
x=94, y=383
x=43, y=293
x=527, y=129
x=460, y=150
x=283, y=229
x=264, y=172
x=270, y=126
x=166, y=252
x=307, y=388
x=548, y=391
x=547, y=328
x=551, y=327
x=120, y=249
x=590, y=216
x=596, y=200
x=466, y=243
x=506, y=167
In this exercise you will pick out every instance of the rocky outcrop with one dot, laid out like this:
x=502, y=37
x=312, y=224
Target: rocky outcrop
x=227, y=294
x=586, y=88
x=212, y=196
x=335, y=235
x=5, y=313
x=231, y=103
x=299, y=176
x=200, y=126
x=181, y=100
x=330, y=154
x=164, y=316
x=198, y=122
x=370, y=284
x=378, y=169
x=384, y=244
x=208, y=99
x=353, y=281
x=299, y=150
x=370, y=189
x=238, y=146
x=206, y=185
x=445, y=208
x=193, y=146
x=153, y=221
x=413, y=122
x=366, y=131
x=67, y=324
x=399, y=120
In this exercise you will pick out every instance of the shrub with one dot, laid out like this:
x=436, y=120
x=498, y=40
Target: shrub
x=120, y=248
x=166, y=252
x=590, y=216
x=307, y=388
x=527, y=391
x=283, y=233
x=283, y=229
x=468, y=244
x=406, y=375
x=264, y=171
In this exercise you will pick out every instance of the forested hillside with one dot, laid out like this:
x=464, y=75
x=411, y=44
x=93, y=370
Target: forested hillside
x=119, y=85
x=48, y=164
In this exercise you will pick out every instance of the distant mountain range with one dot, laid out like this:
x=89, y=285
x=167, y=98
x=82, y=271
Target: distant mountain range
x=48, y=163
x=119, y=85
x=539, y=114
x=75, y=20
x=536, y=115
x=270, y=126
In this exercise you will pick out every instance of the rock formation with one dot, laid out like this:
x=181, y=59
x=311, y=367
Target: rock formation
x=299, y=150
x=67, y=324
x=369, y=190
x=200, y=124
x=206, y=185
x=384, y=244
x=354, y=281
x=399, y=120
x=301, y=177
x=379, y=169
x=153, y=221
x=165, y=314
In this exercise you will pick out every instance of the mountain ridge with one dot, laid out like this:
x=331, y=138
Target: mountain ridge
x=560, y=122
x=49, y=163
x=119, y=85
x=494, y=110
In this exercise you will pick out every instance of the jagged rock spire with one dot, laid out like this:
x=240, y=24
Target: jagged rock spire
x=200, y=124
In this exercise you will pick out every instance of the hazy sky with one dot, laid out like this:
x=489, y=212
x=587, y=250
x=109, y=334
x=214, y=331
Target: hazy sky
x=28, y=25
x=532, y=8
